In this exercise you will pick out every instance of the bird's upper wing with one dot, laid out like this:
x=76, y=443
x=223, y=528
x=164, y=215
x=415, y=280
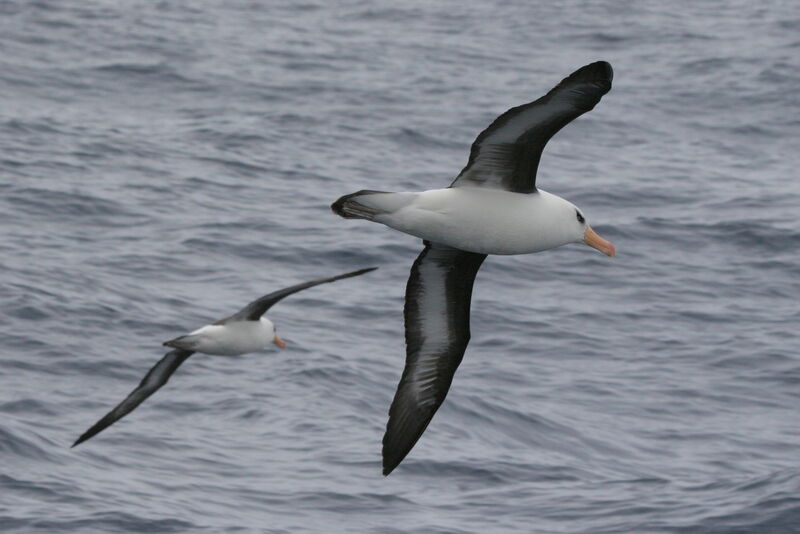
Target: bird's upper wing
x=437, y=332
x=257, y=308
x=153, y=380
x=506, y=154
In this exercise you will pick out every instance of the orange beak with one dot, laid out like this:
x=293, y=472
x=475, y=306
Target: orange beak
x=591, y=238
x=278, y=341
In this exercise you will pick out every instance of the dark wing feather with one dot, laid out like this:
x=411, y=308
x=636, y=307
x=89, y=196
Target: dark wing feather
x=153, y=380
x=257, y=308
x=506, y=154
x=438, y=298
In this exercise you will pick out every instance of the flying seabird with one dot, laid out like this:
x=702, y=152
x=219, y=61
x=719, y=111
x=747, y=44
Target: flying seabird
x=492, y=207
x=245, y=331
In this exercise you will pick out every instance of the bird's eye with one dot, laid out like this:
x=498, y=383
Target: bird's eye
x=580, y=217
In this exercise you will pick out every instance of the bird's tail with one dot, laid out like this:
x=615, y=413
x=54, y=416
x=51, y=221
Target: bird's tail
x=358, y=205
x=188, y=342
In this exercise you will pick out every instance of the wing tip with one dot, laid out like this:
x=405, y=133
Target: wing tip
x=603, y=67
x=395, y=446
x=400, y=438
x=390, y=461
x=599, y=71
x=363, y=271
x=85, y=436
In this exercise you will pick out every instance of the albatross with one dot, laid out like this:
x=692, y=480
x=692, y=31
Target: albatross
x=492, y=207
x=245, y=331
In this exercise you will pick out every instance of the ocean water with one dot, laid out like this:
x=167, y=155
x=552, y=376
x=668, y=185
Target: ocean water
x=163, y=163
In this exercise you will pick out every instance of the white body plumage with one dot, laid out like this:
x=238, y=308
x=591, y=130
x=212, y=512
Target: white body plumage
x=229, y=339
x=482, y=220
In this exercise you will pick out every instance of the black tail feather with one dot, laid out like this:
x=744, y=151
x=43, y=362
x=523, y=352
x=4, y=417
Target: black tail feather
x=349, y=208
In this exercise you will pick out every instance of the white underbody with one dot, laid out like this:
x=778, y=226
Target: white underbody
x=482, y=220
x=233, y=338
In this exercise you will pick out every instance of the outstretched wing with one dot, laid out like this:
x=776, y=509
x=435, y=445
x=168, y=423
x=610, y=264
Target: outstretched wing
x=153, y=380
x=257, y=308
x=438, y=297
x=506, y=154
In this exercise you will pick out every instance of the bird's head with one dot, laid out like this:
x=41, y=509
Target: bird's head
x=272, y=332
x=592, y=238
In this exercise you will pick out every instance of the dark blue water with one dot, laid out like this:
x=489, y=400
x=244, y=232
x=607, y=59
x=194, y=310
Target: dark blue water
x=163, y=163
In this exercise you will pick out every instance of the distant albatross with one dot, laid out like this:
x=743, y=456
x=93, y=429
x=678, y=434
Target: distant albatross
x=245, y=331
x=492, y=207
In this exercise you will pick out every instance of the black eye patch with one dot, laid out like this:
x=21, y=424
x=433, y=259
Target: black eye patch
x=580, y=217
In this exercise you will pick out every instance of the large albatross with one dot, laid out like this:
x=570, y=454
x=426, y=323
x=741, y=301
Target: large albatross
x=492, y=207
x=245, y=331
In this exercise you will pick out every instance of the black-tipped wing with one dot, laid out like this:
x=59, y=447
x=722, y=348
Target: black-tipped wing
x=153, y=380
x=506, y=154
x=438, y=298
x=257, y=308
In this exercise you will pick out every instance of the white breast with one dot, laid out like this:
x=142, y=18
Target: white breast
x=488, y=221
x=234, y=338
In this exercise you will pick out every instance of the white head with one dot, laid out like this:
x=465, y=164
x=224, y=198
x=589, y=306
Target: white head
x=572, y=223
x=269, y=329
x=591, y=238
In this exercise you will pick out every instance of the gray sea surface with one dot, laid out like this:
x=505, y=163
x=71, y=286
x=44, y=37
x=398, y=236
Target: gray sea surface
x=163, y=163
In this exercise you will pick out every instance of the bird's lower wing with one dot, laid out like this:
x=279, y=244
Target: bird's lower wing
x=437, y=333
x=153, y=380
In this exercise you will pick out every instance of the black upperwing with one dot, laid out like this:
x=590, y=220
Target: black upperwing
x=152, y=381
x=437, y=306
x=257, y=308
x=506, y=154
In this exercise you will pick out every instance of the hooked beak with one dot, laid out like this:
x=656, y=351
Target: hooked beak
x=591, y=238
x=278, y=341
